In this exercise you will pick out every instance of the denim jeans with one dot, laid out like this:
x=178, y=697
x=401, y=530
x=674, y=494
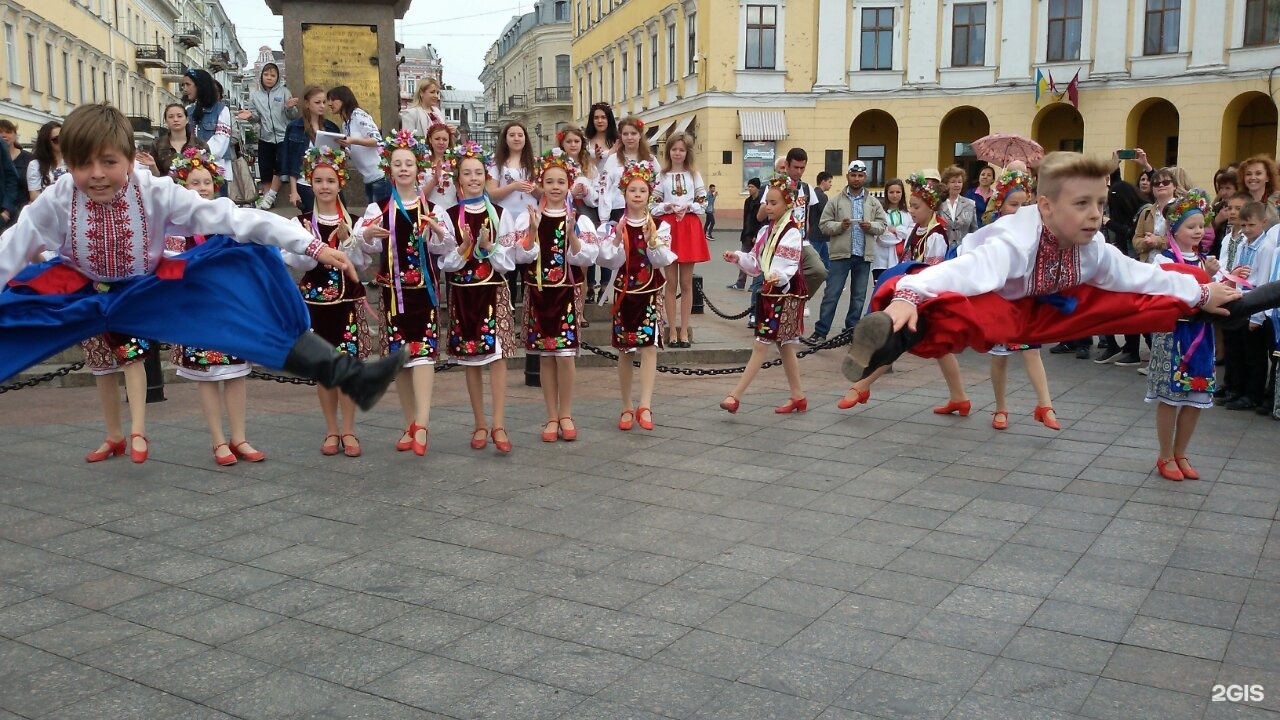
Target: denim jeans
x=840, y=272
x=824, y=252
x=378, y=191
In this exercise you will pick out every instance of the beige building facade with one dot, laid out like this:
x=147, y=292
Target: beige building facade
x=527, y=74
x=908, y=84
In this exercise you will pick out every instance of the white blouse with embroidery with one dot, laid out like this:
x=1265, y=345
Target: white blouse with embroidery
x=125, y=237
x=786, y=257
x=679, y=190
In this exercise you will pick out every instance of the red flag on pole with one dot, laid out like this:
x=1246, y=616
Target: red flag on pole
x=1073, y=91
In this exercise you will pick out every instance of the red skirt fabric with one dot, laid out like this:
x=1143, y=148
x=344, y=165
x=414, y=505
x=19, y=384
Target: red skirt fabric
x=688, y=239
x=955, y=322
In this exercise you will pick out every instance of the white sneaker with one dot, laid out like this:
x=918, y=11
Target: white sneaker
x=806, y=311
x=1143, y=370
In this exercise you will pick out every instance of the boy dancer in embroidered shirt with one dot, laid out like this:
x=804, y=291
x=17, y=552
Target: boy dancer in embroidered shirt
x=108, y=221
x=1039, y=276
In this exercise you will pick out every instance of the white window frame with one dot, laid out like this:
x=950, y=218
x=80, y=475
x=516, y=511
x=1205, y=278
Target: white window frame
x=991, y=37
x=624, y=58
x=895, y=54
x=690, y=42
x=637, y=47
x=66, y=76
x=1086, y=35
x=671, y=48
x=1138, y=46
x=12, y=70
x=779, y=39
x=51, y=91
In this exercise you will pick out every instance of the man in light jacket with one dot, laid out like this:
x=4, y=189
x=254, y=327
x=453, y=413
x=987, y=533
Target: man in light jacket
x=272, y=107
x=853, y=220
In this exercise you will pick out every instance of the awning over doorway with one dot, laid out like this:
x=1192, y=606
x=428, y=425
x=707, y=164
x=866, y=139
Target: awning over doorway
x=762, y=124
x=660, y=131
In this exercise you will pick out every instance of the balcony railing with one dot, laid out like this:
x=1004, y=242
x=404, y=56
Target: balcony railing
x=554, y=95
x=517, y=102
x=219, y=60
x=503, y=111
x=189, y=34
x=173, y=72
x=490, y=116
x=150, y=56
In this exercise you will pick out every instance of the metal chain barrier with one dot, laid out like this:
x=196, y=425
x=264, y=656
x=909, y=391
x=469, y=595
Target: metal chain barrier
x=840, y=340
x=707, y=301
x=259, y=375
x=32, y=382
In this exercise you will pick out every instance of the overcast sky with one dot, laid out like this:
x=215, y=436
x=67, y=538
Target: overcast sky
x=461, y=31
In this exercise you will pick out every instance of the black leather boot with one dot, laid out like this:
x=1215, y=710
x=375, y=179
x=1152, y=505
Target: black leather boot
x=1263, y=297
x=875, y=344
x=315, y=359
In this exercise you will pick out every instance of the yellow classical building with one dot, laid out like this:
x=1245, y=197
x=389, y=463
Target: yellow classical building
x=908, y=84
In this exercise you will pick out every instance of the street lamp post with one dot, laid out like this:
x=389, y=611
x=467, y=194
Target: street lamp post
x=537, y=130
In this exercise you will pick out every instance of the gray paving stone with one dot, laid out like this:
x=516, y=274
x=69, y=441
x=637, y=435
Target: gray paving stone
x=483, y=601
x=828, y=573
x=978, y=706
x=746, y=702
x=107, y=591
x=432, y=683
x=128, y=701
x=935, y=663
x=595, y=709
x=584, y=670
x=511, y=697
x=794, y=597
x=854, y=646
x=1203, y=584
x=220, y=624
x=424, y=630
x=1060, y=650
x=1178, y=637
x=712, y=654
x=1073, y=619
x=758, y=624
x=807, y=676
x=1036, y=684
x=499, y=648
x=356, y=613
x=279, y=694
x=883, y=695
x=880, y=614
x=1166, y=670
x=1113, y=700
x=664, y=690
x=34, y=614
x=355, y=663
x=1191, y=609
x=964, y=632
x=991, y=604
x=141, y=653
x=1253, y=651
x=200, y=677
x=47, y=689
x=682, y=607
x=82, y=634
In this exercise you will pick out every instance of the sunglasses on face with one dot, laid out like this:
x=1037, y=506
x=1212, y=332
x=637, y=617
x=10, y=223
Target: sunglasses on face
x=1162, y=183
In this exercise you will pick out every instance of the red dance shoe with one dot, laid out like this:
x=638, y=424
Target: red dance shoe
x=115, y=448
x=504, y=443
x=1169, y=473
x=861, y=397
x=794, y=406
x=419, y=448
x=405, y=443
x=479, y=438
x=228, y=459
x=1042, y=416
x=327, y=449
x=139, y=456
x=1184, y=466
x=352, y=448
x=731, y=404
x=1000, y=420
x=626, y=420
x=550, y=433
x=568, y=433
x=250, y=456
x=641, y=416
x=963, y=407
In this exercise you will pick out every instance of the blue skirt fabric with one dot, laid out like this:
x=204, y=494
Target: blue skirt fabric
x=236, y=297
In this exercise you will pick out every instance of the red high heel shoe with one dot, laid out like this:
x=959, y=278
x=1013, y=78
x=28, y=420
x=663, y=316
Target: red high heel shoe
x=478, y=443
x=139, y=456
x=419, y=449
x=1184, y=466
x=569, y=434
x=963, y=407
x=405, y=443
x=626, y=420
x=861, y=397
x=326, y=449
x=228, y=459
x=731, y=404
x=352, y=449
x=640, y=418
x=794, y=406
x=1042, y=416
x=504, y=446
x=1169, y=473
x=1000, y=420
x=115, y=448
x=252, y=456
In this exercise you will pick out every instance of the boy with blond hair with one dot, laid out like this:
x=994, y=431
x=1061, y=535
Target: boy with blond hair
x=107, y=222
x=1041, y=275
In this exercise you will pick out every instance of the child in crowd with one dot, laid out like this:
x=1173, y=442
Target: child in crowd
x=481, y=325
x=299, y=137
x=511, y=184
x=336, y=304
x=551, y=317
x=637, y=252
x=108, y=220
x=108, y=356
x=680, y=201
x=1012, y=191
x=1043, y=274
x=438, y=184
x=779, y=309
x=891, y=244
x=926, y=245
x=360, y=136
x=585, y=196
x=631, y=148
x=1180, y=377
x=221, y=377
x=414, y=235
x=1250, y=349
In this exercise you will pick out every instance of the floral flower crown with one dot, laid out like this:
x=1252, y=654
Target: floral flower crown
x=195, y=159
x=927, y=189
x=638, y=170
x=555, y=158
x=454, y=156
x=1010, y=182
x=403, y=140
x=1195, y=201
x=785, y=185
x=325, y=156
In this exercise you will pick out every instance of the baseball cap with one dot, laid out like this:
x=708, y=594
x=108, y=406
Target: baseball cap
x=857, y=166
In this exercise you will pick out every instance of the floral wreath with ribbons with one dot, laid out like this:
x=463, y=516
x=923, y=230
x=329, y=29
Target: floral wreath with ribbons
x=195, y=159
x=555, y=158
x=1010, y=181
x=403, y=140
x=325, y=156
x=1195, y=201
x=638, y=170
x=784, y=185
x=927, y=189
x=454, y=156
